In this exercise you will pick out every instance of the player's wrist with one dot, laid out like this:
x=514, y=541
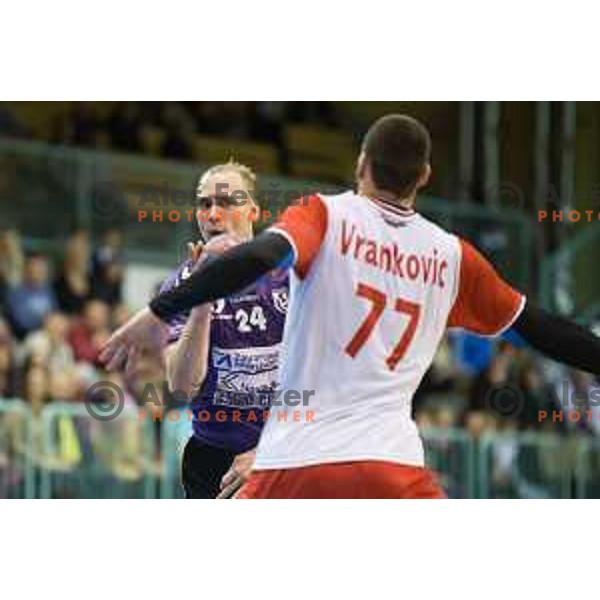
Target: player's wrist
x=149, y=315
x=201, y=313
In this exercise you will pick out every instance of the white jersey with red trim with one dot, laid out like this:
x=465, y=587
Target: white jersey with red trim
x=373, y=291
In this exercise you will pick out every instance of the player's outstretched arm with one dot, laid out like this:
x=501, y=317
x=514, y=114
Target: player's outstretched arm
x=236, y=269
x=488, y=305
x=227, y=274
x=559, y=338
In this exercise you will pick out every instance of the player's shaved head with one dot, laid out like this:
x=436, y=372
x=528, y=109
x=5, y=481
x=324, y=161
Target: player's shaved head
x=246, y=173
x=397, y=149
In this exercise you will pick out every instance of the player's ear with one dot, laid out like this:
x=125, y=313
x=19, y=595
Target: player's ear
x=425, y=176
x=361, y=167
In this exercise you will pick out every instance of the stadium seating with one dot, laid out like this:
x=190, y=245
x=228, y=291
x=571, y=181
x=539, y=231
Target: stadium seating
x=319, y=153
x=214, y=150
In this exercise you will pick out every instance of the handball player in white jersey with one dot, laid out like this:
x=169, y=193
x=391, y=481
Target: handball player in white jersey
x=374, y=286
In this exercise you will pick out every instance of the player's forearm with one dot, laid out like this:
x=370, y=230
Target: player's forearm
x=187, y=359
x=226, y=275
x=560, y=339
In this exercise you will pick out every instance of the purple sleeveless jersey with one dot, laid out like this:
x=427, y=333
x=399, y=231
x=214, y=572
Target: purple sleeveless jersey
x=245, y=341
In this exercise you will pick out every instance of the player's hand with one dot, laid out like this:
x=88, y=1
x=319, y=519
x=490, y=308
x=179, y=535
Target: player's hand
x=195, y=250
x=198, y=252
x=238, y=474
x=144, y=332
x=221, y=243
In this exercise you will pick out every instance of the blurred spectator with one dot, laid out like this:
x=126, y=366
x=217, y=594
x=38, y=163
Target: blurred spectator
x=268, y=126
x=211, y=118
x=473, y=352
x=579, y=393
x=445, y=452
x=120, y=445
x=78, y=126
x=11, y=262
x=479, y=423
x=120, y=315
x=238, y=119
x=108, y=250
x=440, y=378
x=424, y=420
x=12, y=258
x=72, y=286
x=486, y=393
x=106, y=395
x=126, y=127
x=85, y=122
x=50, y=345
x=537, y=396
x=268, y=121
x=8, y=363
x=318, y=112
x=444, y=418
x=62, y=451
x=10, y=125
x=109, y=287
x=592, y=387
x=28, y=303
x=36, y=389
x=64, y=385
x=503, y=452
x=107, y=268
x=90, y=331
x=178, y=143
x=151, y=112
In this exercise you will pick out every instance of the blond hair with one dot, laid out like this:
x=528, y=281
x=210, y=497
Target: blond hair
x=245, y=172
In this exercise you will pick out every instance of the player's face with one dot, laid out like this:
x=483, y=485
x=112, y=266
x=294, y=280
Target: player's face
x=221, y=212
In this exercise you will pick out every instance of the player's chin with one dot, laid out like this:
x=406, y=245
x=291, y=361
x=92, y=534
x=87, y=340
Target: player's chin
x=210, y=234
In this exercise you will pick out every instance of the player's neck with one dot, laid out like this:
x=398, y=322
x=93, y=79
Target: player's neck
x=375, y=194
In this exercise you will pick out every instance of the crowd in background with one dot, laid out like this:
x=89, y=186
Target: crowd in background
x=485, y=385
x=54, y=317
x=57, y=313
x=477, y=387
x=122, y=129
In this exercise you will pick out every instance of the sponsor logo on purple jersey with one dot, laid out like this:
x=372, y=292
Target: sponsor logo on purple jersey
x=245, y=343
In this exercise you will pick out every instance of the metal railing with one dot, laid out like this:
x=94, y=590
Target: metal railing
x=526, y=465
x=65, y=453
x=16, y=466
x=451, y=454
x=175, y=435
x=570, y=277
